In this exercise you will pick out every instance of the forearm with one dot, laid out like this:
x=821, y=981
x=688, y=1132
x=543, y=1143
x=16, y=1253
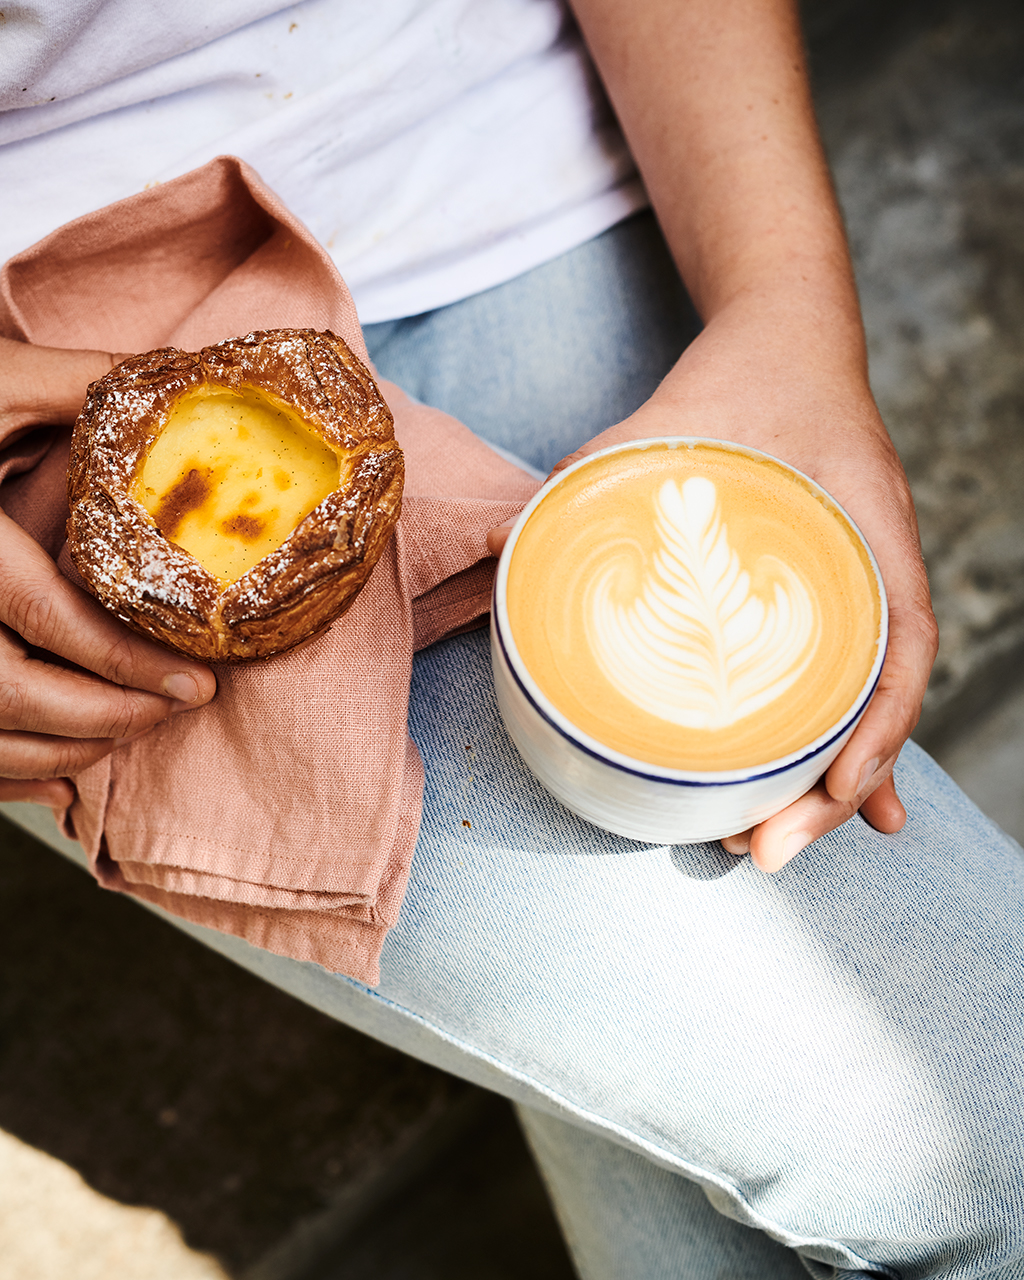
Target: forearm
x=714, y=100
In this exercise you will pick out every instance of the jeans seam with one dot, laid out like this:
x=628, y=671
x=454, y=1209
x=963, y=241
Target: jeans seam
x=645, y=1147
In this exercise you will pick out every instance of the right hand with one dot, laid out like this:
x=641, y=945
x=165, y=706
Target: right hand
x=74, y=682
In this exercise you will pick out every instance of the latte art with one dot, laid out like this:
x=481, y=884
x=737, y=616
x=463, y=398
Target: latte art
x=698, y=646
x=693, y=606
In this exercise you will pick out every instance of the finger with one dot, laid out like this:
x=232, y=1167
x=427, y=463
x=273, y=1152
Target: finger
x=883, y=808
x=33, y=756
x=894, y=709
x=57, y=793
x=46, y=385
x=498, y=536
x=42, y=697
x=738, y=844
x=52, y=614
x=780, y=838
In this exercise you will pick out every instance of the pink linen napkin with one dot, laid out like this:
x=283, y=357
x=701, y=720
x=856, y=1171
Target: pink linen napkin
x=287, y=810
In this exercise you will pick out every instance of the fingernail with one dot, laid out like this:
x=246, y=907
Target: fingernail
x=738, y=845
x=181, y=687
x=794, y=842
x=867, y=773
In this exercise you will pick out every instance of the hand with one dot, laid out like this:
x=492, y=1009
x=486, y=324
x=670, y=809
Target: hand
x=714, y=100
x=74, y=682
x=766, y=373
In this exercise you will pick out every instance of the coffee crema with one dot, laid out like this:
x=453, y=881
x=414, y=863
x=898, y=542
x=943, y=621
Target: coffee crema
x=694, y=606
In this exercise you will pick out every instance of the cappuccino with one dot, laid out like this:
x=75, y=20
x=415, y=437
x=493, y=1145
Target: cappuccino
x=694, y=606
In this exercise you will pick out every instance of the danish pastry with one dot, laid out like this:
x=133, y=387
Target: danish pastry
x=230, y=503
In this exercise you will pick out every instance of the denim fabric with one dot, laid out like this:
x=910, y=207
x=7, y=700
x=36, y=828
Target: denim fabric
x=833, y=1052
x=540, y=365
x=623, y=1215
x=832, y=1055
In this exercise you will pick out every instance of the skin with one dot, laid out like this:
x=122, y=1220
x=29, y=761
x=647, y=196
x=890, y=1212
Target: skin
x=713, y=97
x=57, y=719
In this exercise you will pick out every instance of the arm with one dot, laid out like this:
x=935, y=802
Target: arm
x=57, y=718
x=714, y=100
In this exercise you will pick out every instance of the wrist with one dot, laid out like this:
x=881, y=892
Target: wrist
x=772, y=370
x=800, y=300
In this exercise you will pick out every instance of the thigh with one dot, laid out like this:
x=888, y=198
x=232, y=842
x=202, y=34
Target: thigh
x=625, y=1217
x=833, y=1053
x=543, y=363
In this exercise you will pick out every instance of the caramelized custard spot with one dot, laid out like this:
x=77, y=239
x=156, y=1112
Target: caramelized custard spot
x=231, y=475
x=187, y=495
x=245, y=527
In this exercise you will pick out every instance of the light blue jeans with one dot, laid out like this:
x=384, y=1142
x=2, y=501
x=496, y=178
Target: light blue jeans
x=724, y=1075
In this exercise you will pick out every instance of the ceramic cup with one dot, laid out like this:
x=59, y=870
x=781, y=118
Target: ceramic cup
x=630, y=796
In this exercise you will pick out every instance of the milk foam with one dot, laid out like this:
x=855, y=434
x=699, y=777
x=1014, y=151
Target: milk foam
x=693, y=606
x=697, y=646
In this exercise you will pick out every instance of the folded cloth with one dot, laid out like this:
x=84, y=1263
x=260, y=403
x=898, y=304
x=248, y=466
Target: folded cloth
x=285, y=811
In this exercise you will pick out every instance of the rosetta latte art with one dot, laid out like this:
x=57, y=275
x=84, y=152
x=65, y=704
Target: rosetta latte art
x=698, y=646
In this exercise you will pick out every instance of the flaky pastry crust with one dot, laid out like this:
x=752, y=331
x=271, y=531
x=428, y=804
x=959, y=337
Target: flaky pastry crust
x=159, y=589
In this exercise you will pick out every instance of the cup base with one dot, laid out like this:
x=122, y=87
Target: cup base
x=640, y=806
x=606, y=786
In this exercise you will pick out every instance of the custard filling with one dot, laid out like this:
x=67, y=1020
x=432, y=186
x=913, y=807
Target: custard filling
x=231, y=475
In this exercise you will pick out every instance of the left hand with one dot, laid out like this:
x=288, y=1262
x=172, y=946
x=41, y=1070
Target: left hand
x=108, y=685
x=714, y=99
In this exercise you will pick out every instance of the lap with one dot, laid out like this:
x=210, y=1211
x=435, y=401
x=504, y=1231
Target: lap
x=833, y=1053
x=810, y=1046
x=830, y=1051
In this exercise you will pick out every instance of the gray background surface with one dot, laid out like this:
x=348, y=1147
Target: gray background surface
x=293, y=1149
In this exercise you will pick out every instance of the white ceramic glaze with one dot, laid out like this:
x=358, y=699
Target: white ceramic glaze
x=629, y=797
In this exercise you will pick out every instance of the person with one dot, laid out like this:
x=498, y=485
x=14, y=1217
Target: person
x=721, y=1071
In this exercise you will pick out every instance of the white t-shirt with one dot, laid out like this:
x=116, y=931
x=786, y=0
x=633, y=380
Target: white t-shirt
x=436, y=147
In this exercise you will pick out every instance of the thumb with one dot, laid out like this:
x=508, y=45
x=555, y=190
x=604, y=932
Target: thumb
x=45, y=385
x=498, y=536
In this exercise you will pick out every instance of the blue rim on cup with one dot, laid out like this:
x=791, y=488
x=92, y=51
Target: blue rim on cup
x=631, y=797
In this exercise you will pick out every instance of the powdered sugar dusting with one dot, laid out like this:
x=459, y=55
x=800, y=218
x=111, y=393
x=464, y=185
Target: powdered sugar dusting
x=158, y=587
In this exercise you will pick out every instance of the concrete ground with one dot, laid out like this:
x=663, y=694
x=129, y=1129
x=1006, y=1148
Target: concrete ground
x=987, y=760
x=162, y=1114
